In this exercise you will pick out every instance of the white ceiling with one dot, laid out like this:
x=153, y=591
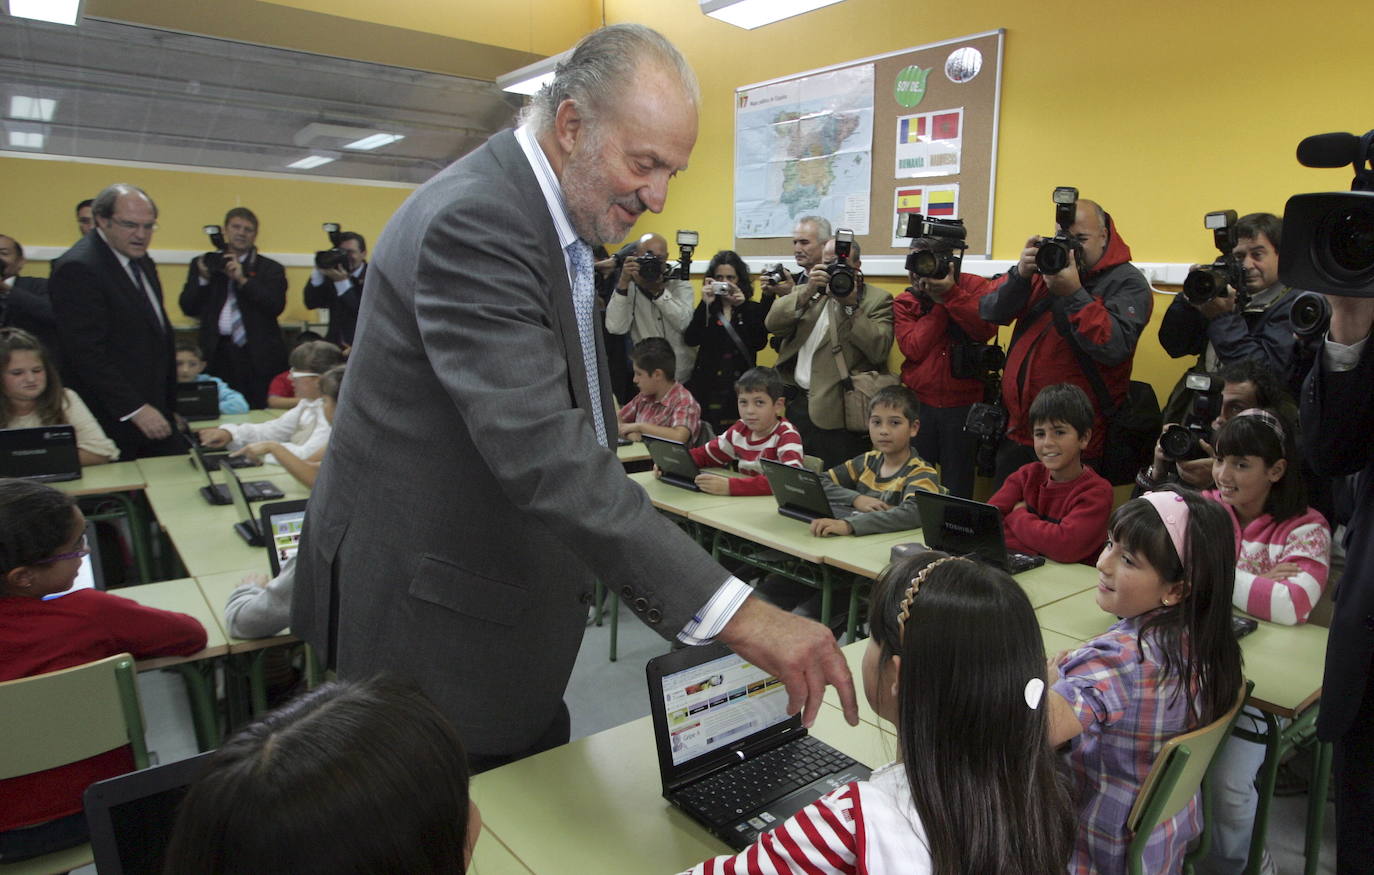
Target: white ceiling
x=138, y=94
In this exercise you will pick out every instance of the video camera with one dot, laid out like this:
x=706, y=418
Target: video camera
x=1053, y=254
x=843, y=280
x=936, y=265
x=215, y=261
x=1328, y=238
x=1209, y=283
x=333, y=258
x=1182, y=442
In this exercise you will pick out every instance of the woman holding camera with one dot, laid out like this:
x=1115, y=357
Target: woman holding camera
x=727, y=329
x=941, y=336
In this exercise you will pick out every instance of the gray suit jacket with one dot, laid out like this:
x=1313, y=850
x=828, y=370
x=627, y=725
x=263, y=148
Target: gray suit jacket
x=466, y=508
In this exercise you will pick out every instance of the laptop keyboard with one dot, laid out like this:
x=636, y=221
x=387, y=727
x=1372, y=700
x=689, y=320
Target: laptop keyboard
x=725, y=796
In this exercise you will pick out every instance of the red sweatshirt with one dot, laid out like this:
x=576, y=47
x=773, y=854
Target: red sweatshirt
x=924, y=338
x=1066, y=522
x=39, y=636
x=738, y=444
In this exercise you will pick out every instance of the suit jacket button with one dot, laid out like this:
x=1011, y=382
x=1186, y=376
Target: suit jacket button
x=653, y=616
x=641, y=604
x=626, y=592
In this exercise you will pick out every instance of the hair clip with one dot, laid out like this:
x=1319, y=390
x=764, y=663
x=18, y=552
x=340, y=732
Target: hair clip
x=904, y=609
x=1035, y=691
x=1267, y=418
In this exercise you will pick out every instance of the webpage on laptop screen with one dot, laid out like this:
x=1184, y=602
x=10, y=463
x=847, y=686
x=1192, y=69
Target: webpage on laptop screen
x=718, y=703
x=286, y=534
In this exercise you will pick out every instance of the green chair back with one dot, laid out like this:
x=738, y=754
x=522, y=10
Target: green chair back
x=813, y=463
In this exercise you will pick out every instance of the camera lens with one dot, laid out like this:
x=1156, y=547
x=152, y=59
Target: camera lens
x=1345, y=244
x=1204, y=284
x=1310, y=316
x=1052, y=257
x=1178, y=444
x=927, y=264
x=841, y=282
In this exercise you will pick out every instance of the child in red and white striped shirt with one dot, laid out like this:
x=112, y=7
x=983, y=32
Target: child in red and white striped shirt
x=760, y=433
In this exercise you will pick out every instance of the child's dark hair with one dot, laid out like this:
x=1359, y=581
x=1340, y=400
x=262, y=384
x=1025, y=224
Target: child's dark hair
x=316, y=356
x=897, y=397
x=356, y=777
x=982, y=774
x=305, y=337
x=186, y=344
x=655, y=354
x=51, y=406
x=1198, y=651
x=35, y=520
x=331, y=381
x=1268, y=435
x=1063, y=402
x=760, y=379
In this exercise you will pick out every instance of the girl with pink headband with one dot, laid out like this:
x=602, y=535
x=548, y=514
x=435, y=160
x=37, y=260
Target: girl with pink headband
x=1167, y=666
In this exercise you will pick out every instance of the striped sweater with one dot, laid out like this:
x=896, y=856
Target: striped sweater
x=738, y=444
x=1304, y=539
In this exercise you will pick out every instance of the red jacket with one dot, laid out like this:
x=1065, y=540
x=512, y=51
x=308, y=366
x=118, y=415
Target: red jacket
x=1105, y=317
x=923, y=336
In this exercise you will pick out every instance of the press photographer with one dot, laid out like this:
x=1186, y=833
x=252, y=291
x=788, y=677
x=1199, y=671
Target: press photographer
x=24, y=301
x=832, y=328
x=336, y=283
x=651, y=301
x=947, y=360
x=236, y=294
x=1078, y=324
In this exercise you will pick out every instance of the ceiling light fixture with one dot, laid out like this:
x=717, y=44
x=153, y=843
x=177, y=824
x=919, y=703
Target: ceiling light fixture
x=26, y=140
x=38, y=109
x=310, y=162
x=376, y=141
x=532, y=77
x=55, y=11
x=750, y=14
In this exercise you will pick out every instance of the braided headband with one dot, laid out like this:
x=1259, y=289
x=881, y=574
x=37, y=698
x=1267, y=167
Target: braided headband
x=1267, y=418
x=904, y=609
x=1173, y=510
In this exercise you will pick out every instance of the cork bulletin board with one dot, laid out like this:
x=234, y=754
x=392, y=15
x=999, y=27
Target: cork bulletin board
x=867, y=142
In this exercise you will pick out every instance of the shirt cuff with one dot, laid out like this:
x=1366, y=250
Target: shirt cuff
x=1339, y=357
x=128, y=416
x=711, y=619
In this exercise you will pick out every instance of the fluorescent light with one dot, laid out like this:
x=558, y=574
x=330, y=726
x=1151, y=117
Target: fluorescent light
x=309, y=162
x=56, y=11
x=39, y=109
x=750, y=14
x=376, y=141
x=26, y=140
x=532, y=77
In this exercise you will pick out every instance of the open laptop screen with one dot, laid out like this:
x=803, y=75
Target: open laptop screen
x=281, y=528
x=131, y=816
x=718, y=703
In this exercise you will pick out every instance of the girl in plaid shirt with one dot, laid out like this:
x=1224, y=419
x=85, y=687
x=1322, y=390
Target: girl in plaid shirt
x=1170, y=665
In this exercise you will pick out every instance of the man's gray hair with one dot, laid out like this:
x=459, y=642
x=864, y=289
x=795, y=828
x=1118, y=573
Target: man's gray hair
x=103, y=206
x=601, y=71
x=823, y=230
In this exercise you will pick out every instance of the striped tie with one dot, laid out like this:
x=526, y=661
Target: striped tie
x=584, y=298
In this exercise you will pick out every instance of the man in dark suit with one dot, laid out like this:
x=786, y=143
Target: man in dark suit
x=24, y=301
x=108, y=302
x=237, y=295
x=339, y=289
x=470, y=501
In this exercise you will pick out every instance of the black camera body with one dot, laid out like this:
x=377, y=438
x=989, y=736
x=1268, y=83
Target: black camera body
x=928, y=263
x=215, y=260
x=1328, y=238
x=1182, y=442
x=843, y=280
x=1209, y=283
x=332, y=258
x=776, y=274
x=1053, y=254
x=975, y=361
x=651, y=268
x=986, y=420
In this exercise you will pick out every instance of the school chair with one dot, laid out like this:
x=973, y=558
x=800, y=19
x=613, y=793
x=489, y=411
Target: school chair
x=63, y=717
x=1178, y=771
x=813, y=463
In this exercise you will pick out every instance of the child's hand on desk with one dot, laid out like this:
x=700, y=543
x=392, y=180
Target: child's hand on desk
x=629, y=430
x=256, y=450
x=864, y=503
x=824, y=527
x=257, y=578
x=713, y=484
x=213, y=437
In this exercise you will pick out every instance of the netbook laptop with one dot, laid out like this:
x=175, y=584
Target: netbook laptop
x=256, y=490
x=198, y=399
x=728, y=754
x=674, y=460
x=212, y=459
x=963, y=527
x=240, y=494
x=800, y=493
x=130, y=817
x=91, y=575
x=44, y=452
x=281, y=529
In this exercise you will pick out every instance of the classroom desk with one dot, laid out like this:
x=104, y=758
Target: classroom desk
x=632, y=452
x=263, y=415
x=676, y=500
x=216, y=589
x=96, y=479
x=492, y=857
x=596, y=806
x=165, y=470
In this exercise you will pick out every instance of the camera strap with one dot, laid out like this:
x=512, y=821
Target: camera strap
x=734, y=335
x=1104, y=398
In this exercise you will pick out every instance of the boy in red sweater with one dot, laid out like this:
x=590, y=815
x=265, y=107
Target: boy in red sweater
x=1057, y=506
x=760, y=433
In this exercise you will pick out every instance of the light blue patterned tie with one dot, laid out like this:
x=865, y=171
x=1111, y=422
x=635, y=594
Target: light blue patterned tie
x=584, y=304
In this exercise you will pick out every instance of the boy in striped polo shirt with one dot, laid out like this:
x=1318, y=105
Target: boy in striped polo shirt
x=760, y=433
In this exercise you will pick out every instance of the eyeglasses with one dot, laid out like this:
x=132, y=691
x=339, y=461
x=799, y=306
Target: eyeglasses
x=83, y=552
x=134, y=226
x=301, y=375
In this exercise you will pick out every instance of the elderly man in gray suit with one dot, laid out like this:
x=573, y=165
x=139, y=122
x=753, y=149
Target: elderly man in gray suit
x=470, y=501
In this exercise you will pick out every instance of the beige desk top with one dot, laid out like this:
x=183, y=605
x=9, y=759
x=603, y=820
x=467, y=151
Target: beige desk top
x=216, y=589
x=675, y=499
x=185, y=597
x=756, y=518
x=492, y=857
x=250, y=416
x=114, y=477
x=598, y=805
x=632, y=452
x=166, y=470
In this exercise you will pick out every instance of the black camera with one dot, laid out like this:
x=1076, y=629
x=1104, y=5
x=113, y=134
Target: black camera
x=986, y=420
x=975, y=361
x=1182, y=442
x=1328, y=238
x=651, y=268
x=686, y=244
x=776, y=274
x=215, y=261
x=1209, y=283
x=333, y=258
x=1310, y=316
x=843, y=280
x=929, y=263
x=1053, y=254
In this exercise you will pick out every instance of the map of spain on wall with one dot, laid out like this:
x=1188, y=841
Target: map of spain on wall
x=804, y=146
